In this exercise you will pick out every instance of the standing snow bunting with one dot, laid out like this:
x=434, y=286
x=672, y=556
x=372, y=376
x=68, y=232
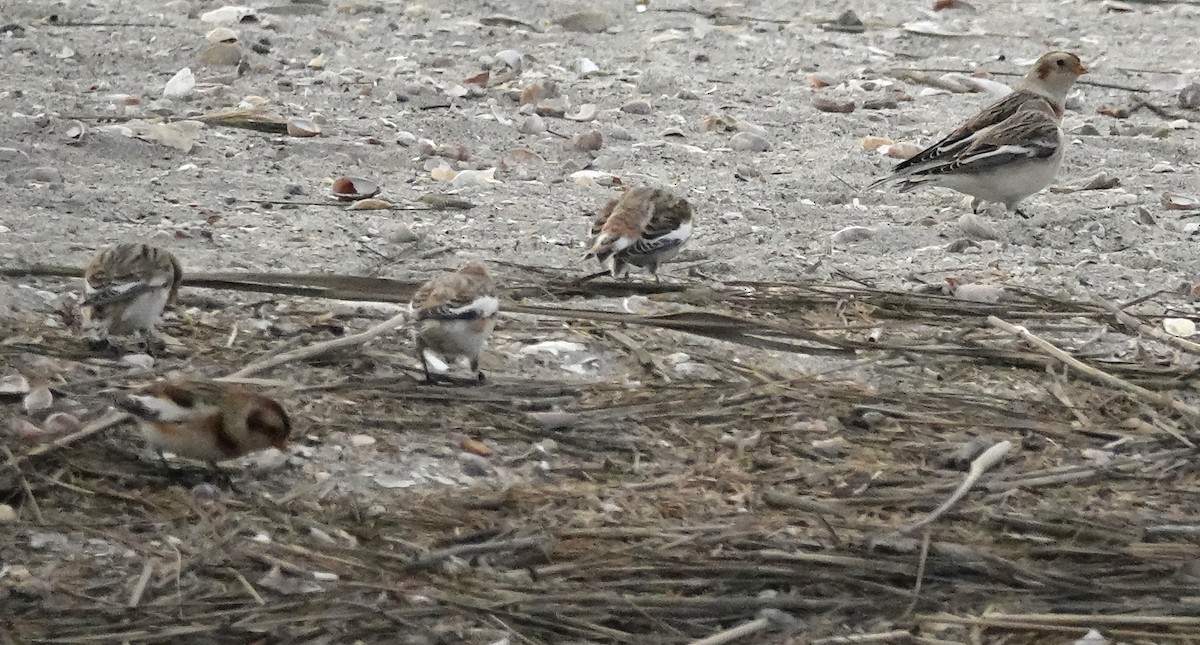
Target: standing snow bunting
x=643, y=227
x=454, y=315
x=1007, y=152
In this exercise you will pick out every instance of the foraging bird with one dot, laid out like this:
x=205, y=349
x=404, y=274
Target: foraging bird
x=208, y=420
x=454, y=315
x=1010, y=150
x=127, y=286
x=643, y=227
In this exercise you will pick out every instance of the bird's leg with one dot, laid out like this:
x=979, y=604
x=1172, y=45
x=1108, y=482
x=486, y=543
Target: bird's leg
x=475, y=368
x=1020, y=212
x=975, y=204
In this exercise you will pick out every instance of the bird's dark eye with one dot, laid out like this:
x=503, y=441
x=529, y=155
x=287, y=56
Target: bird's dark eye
x=1061, y=63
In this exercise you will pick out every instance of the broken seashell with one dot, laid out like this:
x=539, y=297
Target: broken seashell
x=302, y=128
x=902, y=150
x=370, y=204
x=349, y=189
x=870, y=143
x=318, y=62
x=75, y=132
x=39, y=398
x=852, y=234
x=61, y=423
x=585, y=112
x=1174, y=202
x=512, y=58
x=595, y=178
x=221, y=35
x=1181, y=327
x=14, y=384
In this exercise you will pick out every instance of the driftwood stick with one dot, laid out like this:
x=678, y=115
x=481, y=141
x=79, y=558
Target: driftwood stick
x=1093, y=373
x=316, y=349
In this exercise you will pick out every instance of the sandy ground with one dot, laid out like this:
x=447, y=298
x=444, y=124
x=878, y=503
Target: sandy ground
x=389, y=77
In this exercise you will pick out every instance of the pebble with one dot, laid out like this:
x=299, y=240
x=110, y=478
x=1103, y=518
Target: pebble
x=588, y=22
x=474, y=465
x=7, y=514
x=361, y=440
x=587, y=141
x=831, y=105
x=880, y=104
x=1189, y=97
x=143, y=361
x=222, y=54
x=1086, y=130
x=532, y=124
x=749, y=142
x=975, y=228
x=44, y=175
x=619, y=133
x=637, y=106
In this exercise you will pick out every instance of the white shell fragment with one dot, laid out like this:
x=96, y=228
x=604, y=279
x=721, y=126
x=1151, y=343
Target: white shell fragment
x=229, y=15
x=181, y=85
x=1181, y=327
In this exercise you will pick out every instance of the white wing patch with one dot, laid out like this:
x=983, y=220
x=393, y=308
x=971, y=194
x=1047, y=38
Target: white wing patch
x=485, y=306
x=163, y=409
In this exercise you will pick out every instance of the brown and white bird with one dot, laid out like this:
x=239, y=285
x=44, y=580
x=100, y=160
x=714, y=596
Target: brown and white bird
x=127, y=286
x=208, y=420
x=454, y=315
x=642, y=227
x=1010, y=150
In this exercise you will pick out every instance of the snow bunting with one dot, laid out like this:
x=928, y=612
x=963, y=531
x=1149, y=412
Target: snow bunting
x=643, y=227
x=454, y=315
x=127, y=286
x=1007, y=152
x=207, y=420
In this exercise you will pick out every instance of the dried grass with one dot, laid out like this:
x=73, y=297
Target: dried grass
x=675, y=512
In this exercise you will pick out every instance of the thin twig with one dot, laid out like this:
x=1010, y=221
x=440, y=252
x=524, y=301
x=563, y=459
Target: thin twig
x=316, y=349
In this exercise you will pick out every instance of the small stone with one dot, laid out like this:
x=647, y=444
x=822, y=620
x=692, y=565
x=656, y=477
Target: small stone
x=206, y=490
x=44, y=175
x=222, y=54
x=142, y=361
x=1189, y=97
x=360, y=440
x=637, y=106
x=749, y=142
x=532, y=124
x=8, y=514
x=474, y=465
x=880, y=104
x=587, y=141
x=831, y=105
x=588, y=22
